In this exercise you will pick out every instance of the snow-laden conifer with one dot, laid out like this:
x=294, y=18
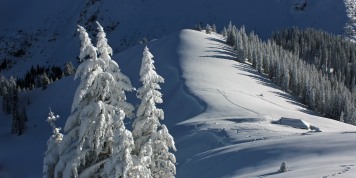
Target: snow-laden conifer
x=208, y=29
x=120, y=163
x=69, y=69
x=148, y=141
x=95, y=134
x=148, y=115
x=52, y=153
x=163, y=161
x=105, y=53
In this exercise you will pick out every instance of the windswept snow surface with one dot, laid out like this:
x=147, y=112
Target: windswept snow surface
x=220, y=112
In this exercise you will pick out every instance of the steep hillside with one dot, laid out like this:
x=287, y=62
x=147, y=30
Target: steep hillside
x=227, y=120
x=42, y=32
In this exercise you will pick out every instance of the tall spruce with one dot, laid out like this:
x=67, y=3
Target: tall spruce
x=152, y=140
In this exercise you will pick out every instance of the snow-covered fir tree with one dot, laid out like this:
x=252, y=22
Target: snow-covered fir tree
x=105, y=52
x=96, y=142
x=121, y=164
x=163, y=161
x=213, y=28
x=152, y=146
x=52, y=153
x=231, y=35
x=45, y=81
x=69, y=69
x=224, y=32
x=9, y=95
x=208, y=29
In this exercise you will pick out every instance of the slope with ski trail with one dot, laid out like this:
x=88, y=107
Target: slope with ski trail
x=237, y=124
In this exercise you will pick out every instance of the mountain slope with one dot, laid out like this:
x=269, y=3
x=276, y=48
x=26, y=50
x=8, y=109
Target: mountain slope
x=49, y=27
x=223, y=115
x=235, y=134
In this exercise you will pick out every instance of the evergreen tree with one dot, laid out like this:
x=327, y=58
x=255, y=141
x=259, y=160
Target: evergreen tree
x=198, y=27
x=52, y=153
x=163, y=162
x=5, y=95
x=213, y=28
x=45, y=81
x=10, y=105
x=69, y=69
x=152, y=146
x=285, y=80
x=18, y=122
x=96, y=142
x=11, y=96
x=121, y=163
x=208, y=29
x=231, y=36
x=105, y=53
x=224, y=32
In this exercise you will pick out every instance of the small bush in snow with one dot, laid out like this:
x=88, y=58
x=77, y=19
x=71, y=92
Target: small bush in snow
x=283, y=168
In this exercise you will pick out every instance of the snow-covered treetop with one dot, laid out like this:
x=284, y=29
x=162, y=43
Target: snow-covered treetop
x=104, y=50
x=51, y=119
x=86, y=48
x=147, y=71
x=90, y=66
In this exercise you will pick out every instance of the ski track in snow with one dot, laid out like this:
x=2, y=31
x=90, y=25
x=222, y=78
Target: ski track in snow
x=344, y=169
x=274, y=103
x=227, y=98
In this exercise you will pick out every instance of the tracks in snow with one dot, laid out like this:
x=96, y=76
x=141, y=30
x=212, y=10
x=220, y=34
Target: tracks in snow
x=227, y=98
x=344, y=169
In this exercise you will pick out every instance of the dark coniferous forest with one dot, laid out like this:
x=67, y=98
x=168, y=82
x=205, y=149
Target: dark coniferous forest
x=318, y=67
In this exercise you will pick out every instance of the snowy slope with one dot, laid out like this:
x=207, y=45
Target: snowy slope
x=220, y=112
x=127, y=22
x=234, y=136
